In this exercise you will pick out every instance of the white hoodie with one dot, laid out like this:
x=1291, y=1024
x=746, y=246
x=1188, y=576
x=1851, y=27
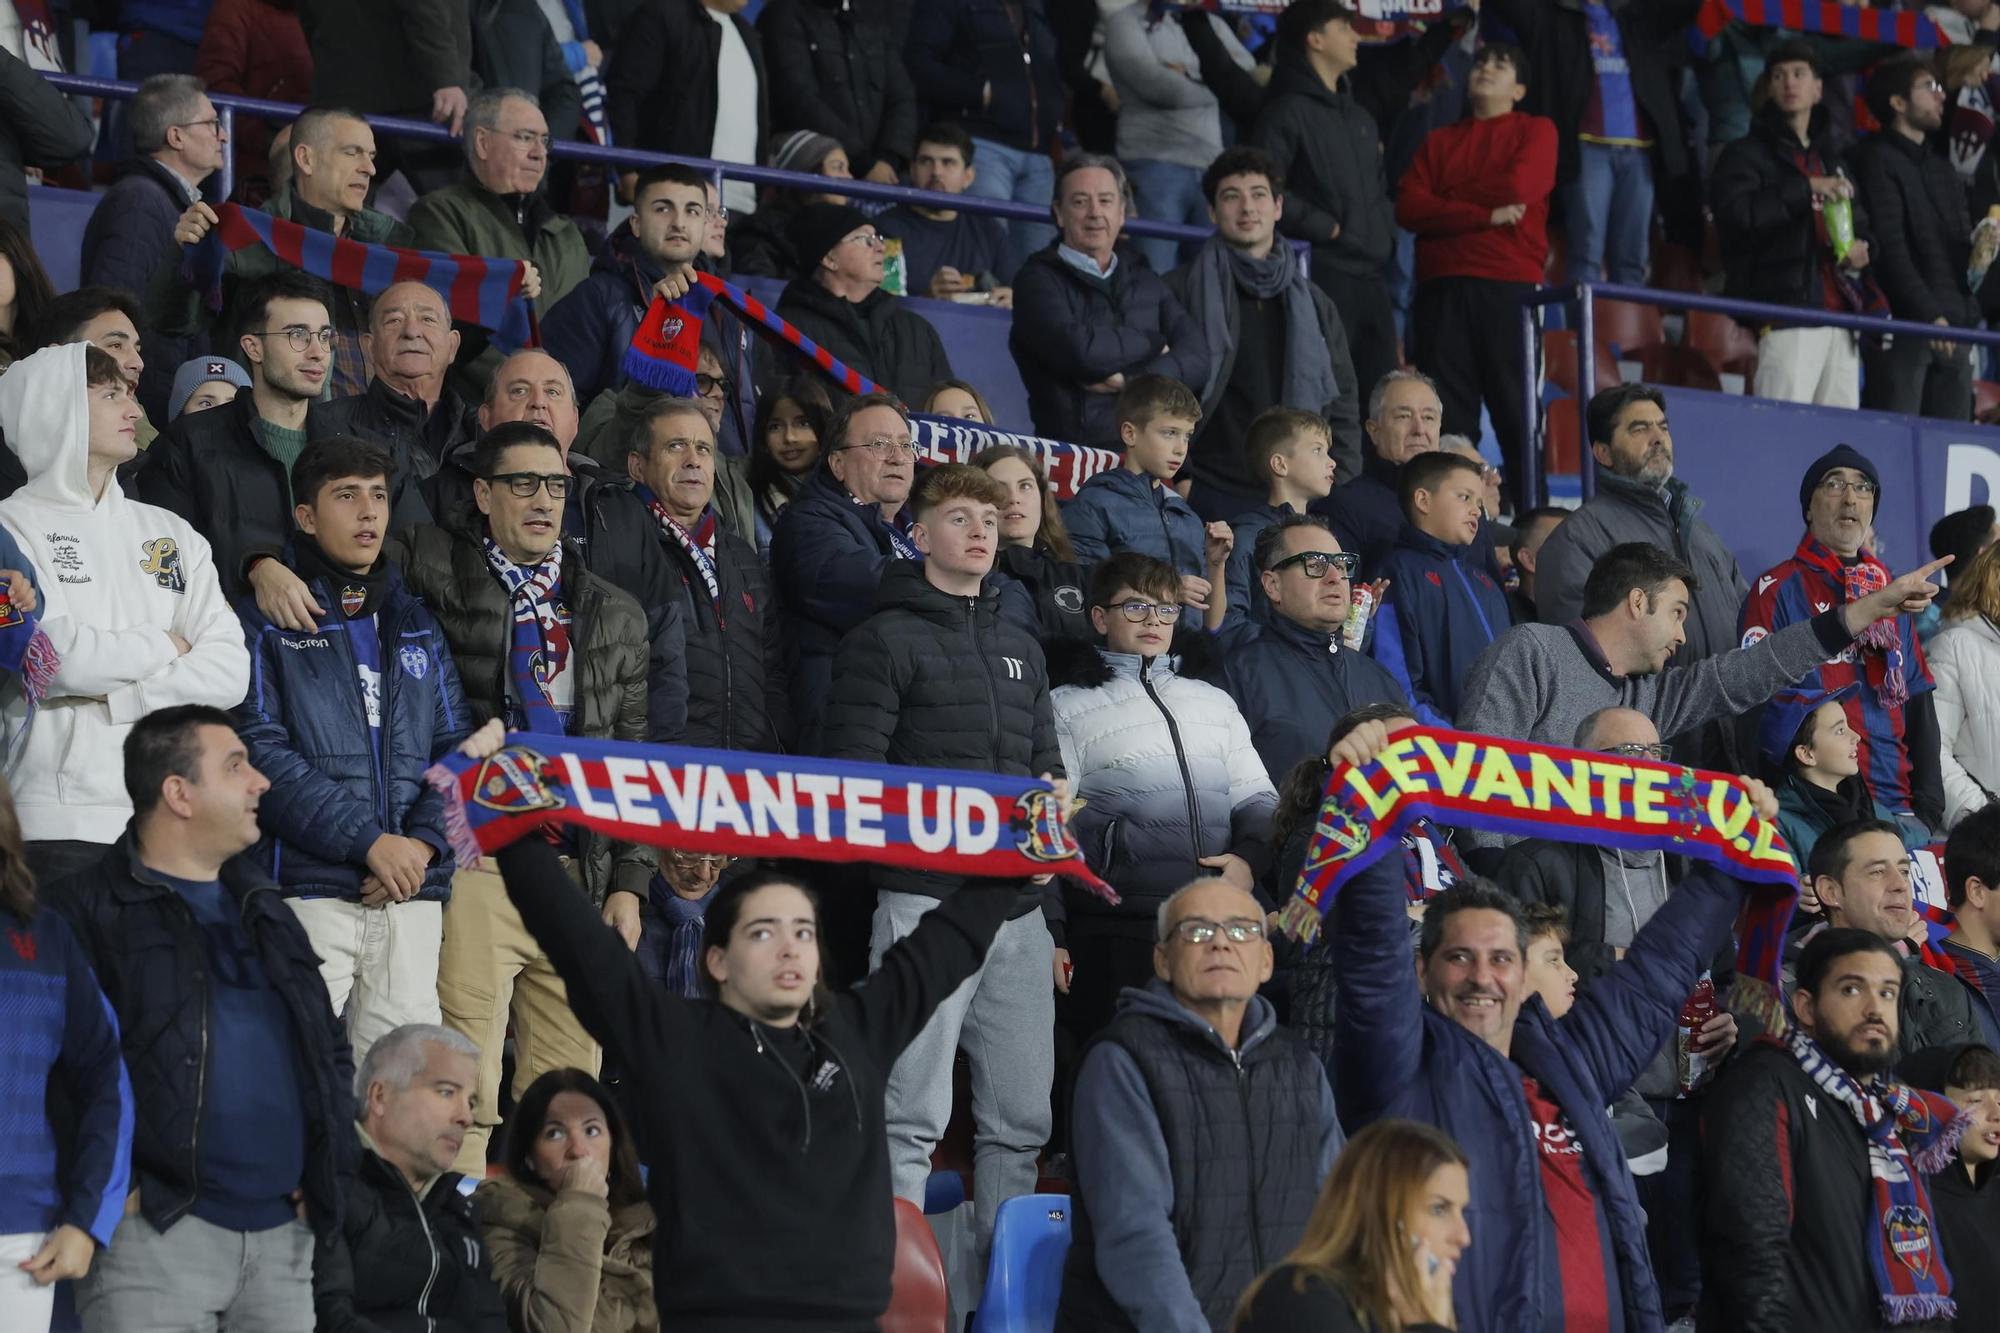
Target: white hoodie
x=117, y=578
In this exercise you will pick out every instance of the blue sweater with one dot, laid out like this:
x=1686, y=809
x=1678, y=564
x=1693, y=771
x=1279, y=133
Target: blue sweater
x=59, y=1029
x=1442, y=611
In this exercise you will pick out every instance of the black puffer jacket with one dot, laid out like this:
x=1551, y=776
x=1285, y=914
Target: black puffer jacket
x=149, y=955
x=661, y=88
x=404, y=1264
x=837, y=69
x=418, y=441
x=958, y=48
x=448, y=570
x=879, y=336
x=1057, y=590
x=1764, y=211
x=1923, y=229
x=939, y=681
x=1070, y=330
x=1330, y=150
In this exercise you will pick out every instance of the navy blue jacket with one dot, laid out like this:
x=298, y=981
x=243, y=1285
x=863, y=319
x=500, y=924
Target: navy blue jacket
x=1248, y=606
x=331, y=794
x=1394, y=1055
x=1292, y=686
x=1366, y=512
x=827, y=558
x=1119, y=510
x=1441, y=613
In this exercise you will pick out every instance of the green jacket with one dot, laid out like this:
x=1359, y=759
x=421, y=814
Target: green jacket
x=469, y=219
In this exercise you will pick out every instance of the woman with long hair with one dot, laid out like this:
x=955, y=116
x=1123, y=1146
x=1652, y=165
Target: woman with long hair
x=25, y=289
x=1382, y=1245
x=959, y=400
x=785, y=448
x=568, y=1227
x=1965, y=662
x=1035, y=549
x=58, y=1201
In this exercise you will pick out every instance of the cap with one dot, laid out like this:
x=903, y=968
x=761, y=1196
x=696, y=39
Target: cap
x=801, y=150
x=817, y=228
x=1786, y=713
x=1841, y=455
x=193, y=374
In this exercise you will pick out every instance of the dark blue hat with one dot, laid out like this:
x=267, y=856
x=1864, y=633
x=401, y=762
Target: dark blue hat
x=1841, y=455
x=1787, y=712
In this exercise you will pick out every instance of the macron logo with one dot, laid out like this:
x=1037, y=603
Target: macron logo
x=1812, y=1105
x=1764, y=583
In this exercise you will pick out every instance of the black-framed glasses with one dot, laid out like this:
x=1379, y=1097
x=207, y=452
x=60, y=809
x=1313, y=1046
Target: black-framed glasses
x=708, y=384
x=1658, y=751
x=885, y=447
x=1139, y=612
x=525, y=484
x=1316, y=563
x=1237, y=930
x=212, y=123
x=301, y=337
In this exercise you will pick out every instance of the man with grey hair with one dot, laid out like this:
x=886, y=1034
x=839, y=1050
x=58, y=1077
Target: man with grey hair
x=1198, y=1123
x=413, y=1107
x=1405, y=418
x=501, y=211
x=408, y=408
x=1085, y=320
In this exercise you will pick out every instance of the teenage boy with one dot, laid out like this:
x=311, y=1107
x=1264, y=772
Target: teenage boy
x=1442, y=610
x=1291, y=452
x=937, y=678
x=1134, y=507
x=1964, y=1198
x=1972, y=888
x=343, y=723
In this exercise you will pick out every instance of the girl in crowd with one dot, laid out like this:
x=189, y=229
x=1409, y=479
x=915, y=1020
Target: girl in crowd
x=568, y=1227
x=784, y=448
x=1035, y=551
x=958, y=400
x=1382, y=1244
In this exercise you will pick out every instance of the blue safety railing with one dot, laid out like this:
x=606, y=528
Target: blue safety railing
x=1578, y=299
x=228, y=104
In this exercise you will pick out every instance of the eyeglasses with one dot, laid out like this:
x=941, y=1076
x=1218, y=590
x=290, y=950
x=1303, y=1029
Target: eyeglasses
x=212, y=123
x=1927, y=86
x=1139, y=612
x=882, y=446
x=299, y=336
x=1316, y=563
x=1238, y=930
x=1658, y=751
x=1840, y=486
x=525, y=484
x=690, y=860
x=868, y=238
x=526, y=138
x=708, y=384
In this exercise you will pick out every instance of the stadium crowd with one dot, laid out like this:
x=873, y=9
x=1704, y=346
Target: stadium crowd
x=277, y=538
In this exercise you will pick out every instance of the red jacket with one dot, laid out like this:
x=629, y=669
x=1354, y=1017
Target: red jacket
x=255, y=48
x=1463, y=172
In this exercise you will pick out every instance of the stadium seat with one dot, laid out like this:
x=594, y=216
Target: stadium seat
x=1681, y=365
x=1559, y=362
x=1629, y=327
x=1985, y=398
x=919, y=1299
x=1562, y=452
x=1676, y=268
x=1024, y=1279
x=1729, y=347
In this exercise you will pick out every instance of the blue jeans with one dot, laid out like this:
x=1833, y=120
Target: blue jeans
x=1000, y=172
x=1609, y=210
x=1165, y=192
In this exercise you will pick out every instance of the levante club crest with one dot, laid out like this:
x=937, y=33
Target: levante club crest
x=516, y=781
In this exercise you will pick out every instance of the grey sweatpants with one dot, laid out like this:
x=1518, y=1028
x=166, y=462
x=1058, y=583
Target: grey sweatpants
x=196, y=1277
x=1003, y=1016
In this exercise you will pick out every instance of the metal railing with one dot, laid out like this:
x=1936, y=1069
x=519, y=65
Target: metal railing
x=1579, y=298
x=227, y=105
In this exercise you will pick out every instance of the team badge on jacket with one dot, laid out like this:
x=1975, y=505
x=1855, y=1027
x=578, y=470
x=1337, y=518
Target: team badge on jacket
x=352, y=599
x=161, y=558
x=416, y=662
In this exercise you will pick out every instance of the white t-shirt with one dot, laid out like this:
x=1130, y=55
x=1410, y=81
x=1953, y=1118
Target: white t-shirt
x=735, y=112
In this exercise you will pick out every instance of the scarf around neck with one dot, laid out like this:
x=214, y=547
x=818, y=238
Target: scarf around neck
x=1881, y=643
x=684, y=918
x=1911, y=1134
x=1212, y=298
x=540, y=648
x=699, y=544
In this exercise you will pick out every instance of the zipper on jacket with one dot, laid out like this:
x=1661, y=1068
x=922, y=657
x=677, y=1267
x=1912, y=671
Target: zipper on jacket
x=1473, y=595
x=424, y=1297
x=201, y=1070
x=1249, y=1160
x=1021, y=31
x=376, y=737
x=1180, y=758
x=985, y=670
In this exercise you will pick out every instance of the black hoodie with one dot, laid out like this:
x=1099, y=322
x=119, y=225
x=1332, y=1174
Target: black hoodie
x=1966, y=1206
x=1330, y=151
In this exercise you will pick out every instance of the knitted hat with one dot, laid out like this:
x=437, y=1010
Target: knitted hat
x=1841, y=455
x=193, y=374
x=801, y=150
x=817, y=228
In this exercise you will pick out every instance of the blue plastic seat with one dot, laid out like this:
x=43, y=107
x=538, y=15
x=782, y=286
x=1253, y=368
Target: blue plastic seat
x=1024, y=1279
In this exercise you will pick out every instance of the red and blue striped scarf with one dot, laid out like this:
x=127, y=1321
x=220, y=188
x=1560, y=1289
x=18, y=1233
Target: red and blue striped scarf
x=667, y=343
x=699, y=544
x=540, y=648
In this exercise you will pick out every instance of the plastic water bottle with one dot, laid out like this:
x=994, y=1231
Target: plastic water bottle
x=1691, y=1065
x=1354, y=630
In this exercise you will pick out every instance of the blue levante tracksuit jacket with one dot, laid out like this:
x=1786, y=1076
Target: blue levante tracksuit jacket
x=1442, y=611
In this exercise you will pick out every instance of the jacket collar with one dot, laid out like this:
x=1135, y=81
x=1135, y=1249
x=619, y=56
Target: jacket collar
x=239, y=877
x=1292, y=632
x=1632, y=491
x=1131, y=666
x=530, y=212
x=1773, y=125
x=905, y=587
x=1416, y=539
x=1156, y=1000
x=1592, y=650
x=169, y=179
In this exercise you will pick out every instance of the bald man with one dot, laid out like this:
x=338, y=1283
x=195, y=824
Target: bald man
x=1241, y=1135
x=408, y=408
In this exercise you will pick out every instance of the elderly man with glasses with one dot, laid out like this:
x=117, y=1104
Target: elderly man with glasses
x=1297, y=677
x=1202, y=1130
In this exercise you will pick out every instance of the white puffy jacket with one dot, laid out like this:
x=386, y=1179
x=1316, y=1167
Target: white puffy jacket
x=1965, y=662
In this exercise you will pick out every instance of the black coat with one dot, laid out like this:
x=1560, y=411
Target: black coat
x=936, y=681
x=1292, y=689
x=660, y=90
x=208, y=468
x=150, y=957
x=418, y=441
x=403, y=1264
x=1569, y=875
x=128, y=232
x=1330, y=150
x=386, y=57
x=1923, y=229
x=1764, y=211
x=38, y=127
x=514, y=47
x=1297, y=1300
x=836, y=68
x=1055, y=589
x=1555, y=34
x=879, y=336
x=1070, y=331
x=958, y=48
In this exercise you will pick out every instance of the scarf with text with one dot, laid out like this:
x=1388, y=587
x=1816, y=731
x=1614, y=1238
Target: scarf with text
x=743, y=804
x=1548, y=791
x=540, y=648
x=477, y=289
x=699, y=544
x=1911, y=1134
